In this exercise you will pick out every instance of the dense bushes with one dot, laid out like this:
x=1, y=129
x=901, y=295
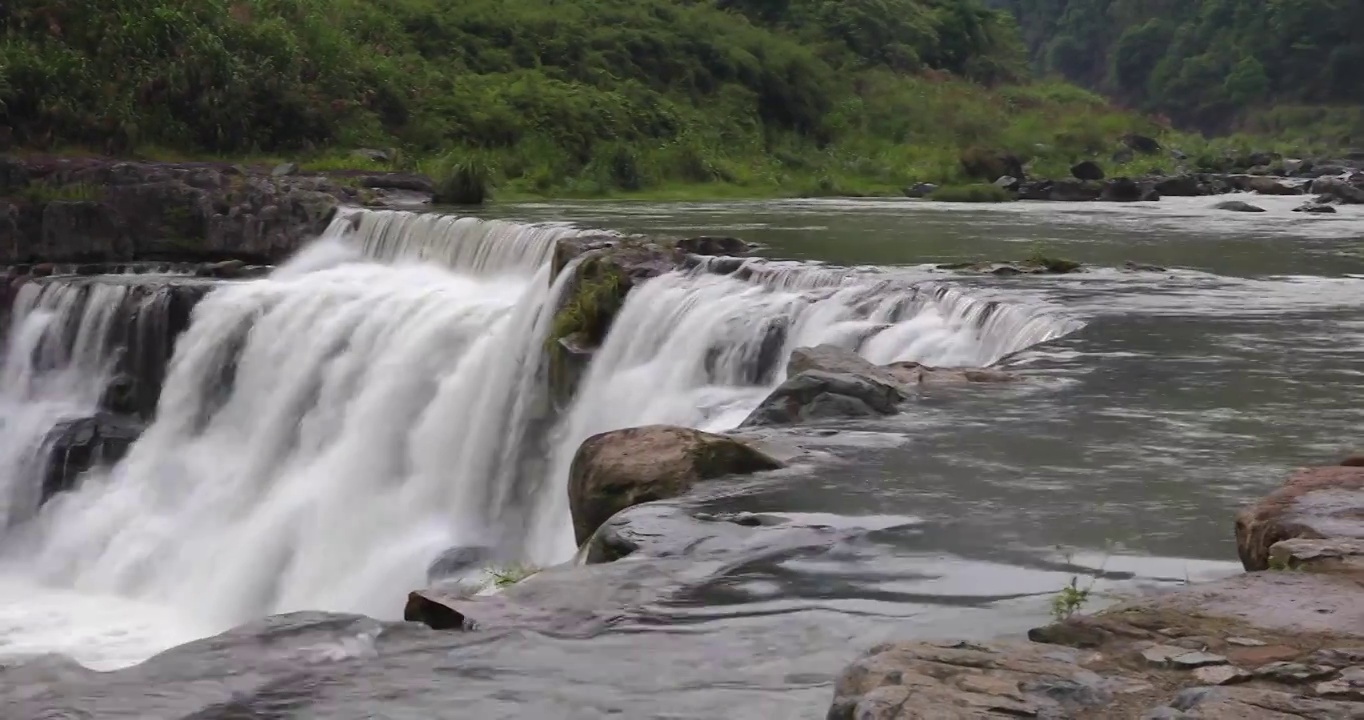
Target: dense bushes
x=1211, y=64
x=541, y=96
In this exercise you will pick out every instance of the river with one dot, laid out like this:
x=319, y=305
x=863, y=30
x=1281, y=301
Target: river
x=373, y=421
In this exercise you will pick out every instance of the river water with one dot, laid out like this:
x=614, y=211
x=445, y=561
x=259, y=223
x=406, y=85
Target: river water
x=1160, y=401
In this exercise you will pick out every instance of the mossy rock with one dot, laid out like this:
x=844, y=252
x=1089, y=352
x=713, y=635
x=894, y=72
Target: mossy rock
x=971, y=194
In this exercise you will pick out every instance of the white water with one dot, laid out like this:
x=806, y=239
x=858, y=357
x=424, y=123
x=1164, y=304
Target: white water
x=325, y=433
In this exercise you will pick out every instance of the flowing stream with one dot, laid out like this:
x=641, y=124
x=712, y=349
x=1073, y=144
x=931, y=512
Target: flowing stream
x=322, y=435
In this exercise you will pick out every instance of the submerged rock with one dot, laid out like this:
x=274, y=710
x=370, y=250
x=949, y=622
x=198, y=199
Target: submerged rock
x=818, y=395
x=1238, y=206
x=618, y=469
x=1315, y=208
x=1315, y=503
x=713, y=245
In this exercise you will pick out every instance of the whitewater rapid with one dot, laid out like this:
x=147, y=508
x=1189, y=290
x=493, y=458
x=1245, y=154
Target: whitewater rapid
x=325, y=433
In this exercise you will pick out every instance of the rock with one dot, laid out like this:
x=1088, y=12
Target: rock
x=904, y=681
x=1007, y=182
x=1139, y=267
x=1221, y=675
x=1181, y=186
x=1197, y=659
x=920, y=190
x=1238, y=206
x=399, y=181
x=1293, y=673
x=1315, y=503
x=618, y=469
x=1128, y=190
x=1341, y=553
x=1349, y=686
x=1353, y=461
x=285, y=170
x=77, y=445
x=912, y=373
x=836, y=361
x=1316, y=208
x=816, y=395
x=1272, y=186
x=1087, y=170
x=713, y=245
x=1142, y=144
x=1072, y=633
x=1245, y=642
x=1338, y=190
x=1074, y=191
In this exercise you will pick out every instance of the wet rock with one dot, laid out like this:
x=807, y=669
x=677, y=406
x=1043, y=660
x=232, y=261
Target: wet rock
x=1238, y=206
x=1139, y=267
x=618, y=469
x=398, y=181
x=713, y=245
x=1315, y=503
x=77, y=445
x=920, y=190
x=224, y=269
x=912, y=373
x=1316, y=208
x=1128, y=190
x=816, y=395
x=1273, y=186
x=1087, y=170
x=1007, y=182
x=835, y=361
x=1338, y=190
x=1064, y=190
x=1073, y=633
x=1181, y=186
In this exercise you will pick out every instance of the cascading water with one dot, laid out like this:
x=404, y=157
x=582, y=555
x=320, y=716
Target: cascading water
x=325, y=433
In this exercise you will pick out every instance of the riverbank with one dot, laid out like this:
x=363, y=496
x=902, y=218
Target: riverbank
x=1282, y=641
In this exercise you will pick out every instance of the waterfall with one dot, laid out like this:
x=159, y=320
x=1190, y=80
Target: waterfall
x=703, y=350
x=324, y=433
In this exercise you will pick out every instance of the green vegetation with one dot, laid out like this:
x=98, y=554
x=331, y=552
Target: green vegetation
x=670, y=98
x=1286, y=67
x=597, y=294
x=971, y=194
x=41, y=193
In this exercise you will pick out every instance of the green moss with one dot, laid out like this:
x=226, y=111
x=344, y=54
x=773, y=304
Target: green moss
x=1054, y=265
x=41, y=193
x=597, y=294
x=971, y=194
x=503, y=577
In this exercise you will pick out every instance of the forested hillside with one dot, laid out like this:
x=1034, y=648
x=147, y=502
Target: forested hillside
x=554, y=95
x=1261, y=65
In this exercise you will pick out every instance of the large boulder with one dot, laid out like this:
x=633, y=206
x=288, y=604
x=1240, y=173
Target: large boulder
x=835, y=361
x=622, y=468
x=1238, y=206
x=1273, y=186
x=816, y=395
x=1338, y=190
x=1087, y=170
x=1316, y=503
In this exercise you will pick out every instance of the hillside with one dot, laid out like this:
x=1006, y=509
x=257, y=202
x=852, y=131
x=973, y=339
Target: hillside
x=1286, y=67
x=548, y=96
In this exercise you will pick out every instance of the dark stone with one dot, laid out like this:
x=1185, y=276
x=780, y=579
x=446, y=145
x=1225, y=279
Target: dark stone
x=1142, y=144
x=816, y=395
x=920, y=190
x=1315, y=208
x=713, y=245
x=399, y=181
x=1087, y=170
x=1070, y=633
x=1238, y=206
x=1127, y=190
x=77, y=445
x=423, y=608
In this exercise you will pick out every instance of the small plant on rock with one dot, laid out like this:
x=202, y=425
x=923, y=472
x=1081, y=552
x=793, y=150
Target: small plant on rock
x=510, y=575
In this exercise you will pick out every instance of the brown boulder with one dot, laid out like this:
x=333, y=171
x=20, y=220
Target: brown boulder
x=622, y=468
x=1316, y=503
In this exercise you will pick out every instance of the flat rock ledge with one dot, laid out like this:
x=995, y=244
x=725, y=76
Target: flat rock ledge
x=1280, y=644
